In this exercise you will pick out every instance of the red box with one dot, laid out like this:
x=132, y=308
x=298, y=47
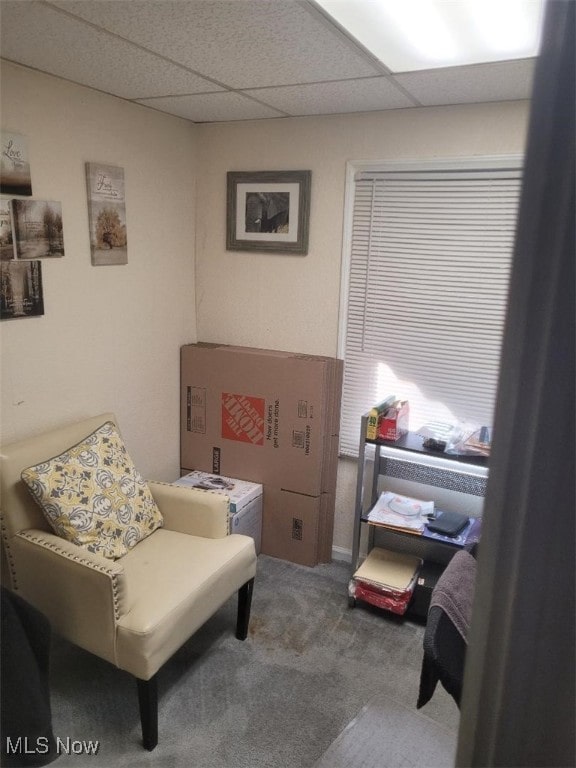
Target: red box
x=394, y=421
x=389, y=599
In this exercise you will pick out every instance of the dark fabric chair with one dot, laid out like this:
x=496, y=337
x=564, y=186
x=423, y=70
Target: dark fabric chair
x=25, y=715
x=444, y=656
x=444, y=644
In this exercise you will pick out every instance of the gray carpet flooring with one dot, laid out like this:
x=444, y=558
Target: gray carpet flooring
x=312, y=673
x=388, y=734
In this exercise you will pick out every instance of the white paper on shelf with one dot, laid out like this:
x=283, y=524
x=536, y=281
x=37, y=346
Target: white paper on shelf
x=401, y=511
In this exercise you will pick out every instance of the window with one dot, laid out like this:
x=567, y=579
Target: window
x=427, y=254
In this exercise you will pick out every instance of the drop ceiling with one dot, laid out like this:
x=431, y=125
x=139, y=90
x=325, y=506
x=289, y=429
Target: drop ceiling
x=224, y=60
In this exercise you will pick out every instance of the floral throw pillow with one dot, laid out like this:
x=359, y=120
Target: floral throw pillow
x=93, y=495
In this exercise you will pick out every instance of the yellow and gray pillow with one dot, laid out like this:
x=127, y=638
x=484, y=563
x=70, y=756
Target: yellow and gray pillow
x=93, y=495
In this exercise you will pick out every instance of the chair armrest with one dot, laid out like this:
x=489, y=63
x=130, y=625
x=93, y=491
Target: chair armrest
x=82, y=594
x=192, y=510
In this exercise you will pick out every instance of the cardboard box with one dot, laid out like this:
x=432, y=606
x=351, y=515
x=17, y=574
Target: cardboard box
x=290, y=525
x=262, y=414
x=245, y=501
x=273, y=417
x=375, y=415
x=297, y=527
x=394, y=421
x=386, y=579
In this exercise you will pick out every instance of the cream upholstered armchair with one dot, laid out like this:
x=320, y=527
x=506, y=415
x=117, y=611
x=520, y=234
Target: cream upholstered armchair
x=137, y=608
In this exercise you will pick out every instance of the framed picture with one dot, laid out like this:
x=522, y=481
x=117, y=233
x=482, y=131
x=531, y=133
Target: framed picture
x=14, y=165
x=107, y=214
x=268, y=211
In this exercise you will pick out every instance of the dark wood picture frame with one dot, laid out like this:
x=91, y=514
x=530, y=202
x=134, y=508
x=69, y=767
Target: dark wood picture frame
x=268, y=211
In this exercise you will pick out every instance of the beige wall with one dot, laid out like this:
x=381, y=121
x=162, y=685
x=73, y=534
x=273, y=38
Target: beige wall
x=110, y=336
x=292, y=302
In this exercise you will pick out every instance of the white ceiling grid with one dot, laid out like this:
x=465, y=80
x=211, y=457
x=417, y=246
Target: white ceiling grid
x=221, y=60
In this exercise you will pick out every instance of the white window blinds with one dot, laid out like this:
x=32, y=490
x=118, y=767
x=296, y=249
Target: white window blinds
x=429, y=252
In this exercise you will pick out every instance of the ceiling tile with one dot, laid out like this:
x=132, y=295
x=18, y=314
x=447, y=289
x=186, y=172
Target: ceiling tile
x=280, y=57
x=477, y=83
x=366, y=95
x=38, y=36
x=240, y=43
x=212, y=107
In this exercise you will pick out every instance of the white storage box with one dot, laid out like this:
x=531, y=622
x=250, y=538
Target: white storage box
x=245, y=501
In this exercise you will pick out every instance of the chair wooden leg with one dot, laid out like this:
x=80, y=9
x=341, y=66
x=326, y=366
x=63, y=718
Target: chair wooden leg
x=148, y=701
x=244, y=604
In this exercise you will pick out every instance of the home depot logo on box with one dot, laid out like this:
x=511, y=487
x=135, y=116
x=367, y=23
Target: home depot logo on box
x=243, y=418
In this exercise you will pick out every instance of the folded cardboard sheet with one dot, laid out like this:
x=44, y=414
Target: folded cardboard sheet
x=384, y=568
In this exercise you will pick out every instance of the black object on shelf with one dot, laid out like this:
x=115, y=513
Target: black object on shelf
x=448, y=523
x=431, y=444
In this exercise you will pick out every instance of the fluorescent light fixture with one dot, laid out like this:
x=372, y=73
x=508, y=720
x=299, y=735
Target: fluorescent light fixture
x=409, y=35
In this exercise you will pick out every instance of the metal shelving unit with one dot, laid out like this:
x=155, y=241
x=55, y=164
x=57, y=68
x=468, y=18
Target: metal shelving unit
x=466, y=474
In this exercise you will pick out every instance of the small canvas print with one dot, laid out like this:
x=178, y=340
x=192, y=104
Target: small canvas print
x=15, y=176
x=107, y=214
x=6, y=241
x=21, y=289
x=38, y=232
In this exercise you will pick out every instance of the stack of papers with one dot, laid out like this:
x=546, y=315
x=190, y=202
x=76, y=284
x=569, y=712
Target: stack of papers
x=385, y=568
x=401, y=512
x=387, y=579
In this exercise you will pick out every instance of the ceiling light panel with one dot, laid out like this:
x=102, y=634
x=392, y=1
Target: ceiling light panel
x=411, y=35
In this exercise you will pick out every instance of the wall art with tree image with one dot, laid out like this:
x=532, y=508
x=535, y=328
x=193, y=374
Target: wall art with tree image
x=6, y=240
x=107, y=214
x=21, y=293
x=38, y=230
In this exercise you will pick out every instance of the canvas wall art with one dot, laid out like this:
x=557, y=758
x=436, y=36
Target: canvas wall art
x=107, y=214
x=21, y=293
x=6, y=241
x=38, y=232
x=15, y=176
